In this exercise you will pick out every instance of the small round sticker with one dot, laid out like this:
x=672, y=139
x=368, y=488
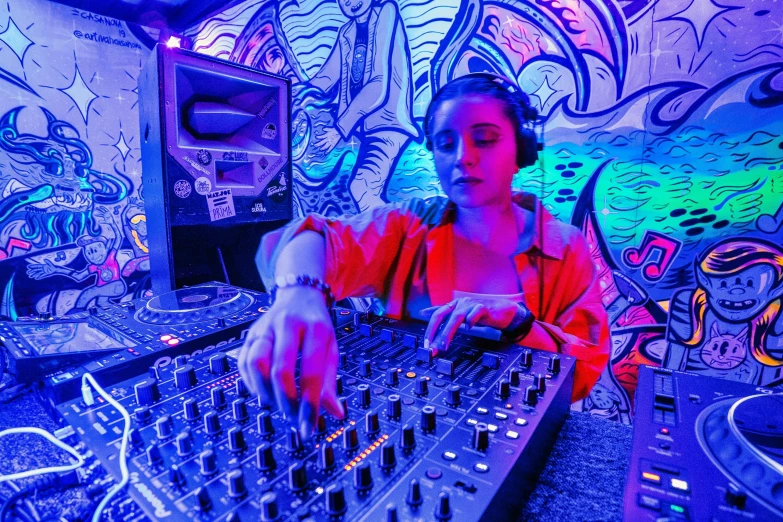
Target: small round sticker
x=182, y=188
x=203, y=185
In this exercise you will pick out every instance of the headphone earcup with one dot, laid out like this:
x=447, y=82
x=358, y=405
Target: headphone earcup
x=527, y=149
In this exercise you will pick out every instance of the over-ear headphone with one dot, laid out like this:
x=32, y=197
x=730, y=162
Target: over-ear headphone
x=527, y=144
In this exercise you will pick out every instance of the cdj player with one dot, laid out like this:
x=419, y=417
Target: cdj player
x=458, y=437
x=704, y=449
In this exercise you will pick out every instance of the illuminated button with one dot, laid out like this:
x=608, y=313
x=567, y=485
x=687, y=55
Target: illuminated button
x=508, y=406
x=492, y=428
x=513, y=435
x=482, y=411
x=165, y=338
x=449, y=455
x=665, y=431
x=677, y=509
x=172, y=342
x=410, y=375
x=471, y=422
x=481, y=467
x=500, y=416
x=520, y=421
x=649, y=502
x=651, y=477
x=679, y=484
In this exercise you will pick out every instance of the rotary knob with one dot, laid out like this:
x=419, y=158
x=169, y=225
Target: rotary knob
x=540, y=383
x=154, y=458
x=554, y=364
x=320, y=425
x=526, y=360
x=421, y=388
x=265, y=427
x=480, y=437
x=371, y=425
x=350, y=438
x=265, y=458
x=344, y=407
x=364, y=395
x=142, y=415
x=531, y=395
x=394, y=407
x=239, y=410
x=236, y=483
x=364, y=368
x=269, y=510
x=414, y=498
x=135, y=439
x=504, y=389
x=391, y=513
x=443, y=508
x=326, y=457
x=203, y=502
x=293, y=441
x=218, y=397
x=164, y=426
x=453, y=395
x=236, y=439
x=180, y=361
x=218, y=364
x=335, y=500
x=241, y=388
x=339, y=385
x=428, y=419
x=407, y=437
x=343, y=360
x=185, y=377
x=208, y=462
x=513, y=377
x=147, y=392
x=362, y=476
x=190, y=410
x=297, y=477
x=184, y=442
x=388, y=456
x=176, y=477
x=392, y=377
x=211, y=423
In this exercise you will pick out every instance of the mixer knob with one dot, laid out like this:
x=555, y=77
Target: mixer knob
x=203, y=502
x=241, y=388
x=239, y=409
x=391, y=513
x=176, y=477
x=513, y=377
x=453, y=395
x=184, y=444
x=131, y=306
x=344, y=406
x=297, y=477
x=135, y=439
x=364, y=368
x=504, y=389
x=142, y=415
x=154, y=372
x=388, y=457
x=443, y=508
x=422, y=388
x=480, y=437
x=236, y=439
x=394, y=407
x=320, y=425
x=269, y=511
x=362, y=476
x=736, y=497
x=357, y=319
x=539, y=381
x=185, y=377
x=208, y=461
x=164, y=426
x=236, y=483
x=335, y=500
x=265, y=427
x=147, y=392
x=93, y=310
x=154, y=458
x=371, y=426
x=392, y=377
x=414, y=498
x=364, y=395
x=339, y=385
x=190, y=409
x=428, y=419
x=221, y=322
x=218, y=397
x=180, y=361
x=350, y=438
x=218, y=364
x=293, y=442
x=211, y=423
x=343, y=360
x=554, y=364
x=326, y=457
x=531, y=395
x=265, y=458
x=407, y=437
x=526, y=361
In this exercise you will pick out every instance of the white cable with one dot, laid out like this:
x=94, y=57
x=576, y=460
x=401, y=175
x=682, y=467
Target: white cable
x=42, y=471
x=125, y=475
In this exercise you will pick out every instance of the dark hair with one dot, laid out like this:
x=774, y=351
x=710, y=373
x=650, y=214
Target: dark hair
x=516, y=107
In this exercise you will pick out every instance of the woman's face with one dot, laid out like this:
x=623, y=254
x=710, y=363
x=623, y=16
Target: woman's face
x=475, y=151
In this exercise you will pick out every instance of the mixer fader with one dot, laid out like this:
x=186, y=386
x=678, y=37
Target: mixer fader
x=460, y=437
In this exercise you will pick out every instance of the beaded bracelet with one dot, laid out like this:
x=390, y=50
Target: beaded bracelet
x=520, y=325
x=301, y=280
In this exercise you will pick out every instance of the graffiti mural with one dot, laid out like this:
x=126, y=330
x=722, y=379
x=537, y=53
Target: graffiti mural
x=71, y=215
x=663, y=145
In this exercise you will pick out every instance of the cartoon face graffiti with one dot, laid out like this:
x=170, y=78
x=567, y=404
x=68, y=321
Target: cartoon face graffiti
x=94, y=250
x=354, y=8
x=742, y=295
x=723, y=350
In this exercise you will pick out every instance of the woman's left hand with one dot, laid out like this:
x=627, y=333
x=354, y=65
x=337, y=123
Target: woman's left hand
x=495, y=313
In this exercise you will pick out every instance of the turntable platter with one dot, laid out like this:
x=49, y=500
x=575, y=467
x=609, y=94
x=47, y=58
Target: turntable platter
x=191, y=305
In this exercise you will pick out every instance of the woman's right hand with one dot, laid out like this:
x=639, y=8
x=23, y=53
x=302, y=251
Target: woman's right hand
x=298, y=321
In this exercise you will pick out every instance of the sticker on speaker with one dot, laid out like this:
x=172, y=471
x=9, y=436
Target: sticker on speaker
x=269, y=132
x=258, y=207
x=203, y=185
x=182, y=188
x=276, y=189
x=204, y=157
x=221, y=205
x=263, y=163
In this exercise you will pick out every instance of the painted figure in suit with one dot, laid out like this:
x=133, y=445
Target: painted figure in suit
x=370, y=65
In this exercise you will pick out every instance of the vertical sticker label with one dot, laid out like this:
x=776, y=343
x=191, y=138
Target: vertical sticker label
x=221, y=205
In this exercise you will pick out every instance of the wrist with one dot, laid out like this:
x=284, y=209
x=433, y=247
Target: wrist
x=520, y=325
x=293, y=284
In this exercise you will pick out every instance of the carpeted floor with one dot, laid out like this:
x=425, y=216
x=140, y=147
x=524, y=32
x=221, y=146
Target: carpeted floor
x=583, y=480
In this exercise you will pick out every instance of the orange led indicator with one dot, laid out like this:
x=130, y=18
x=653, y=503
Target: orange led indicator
x=410, y=375
x=651, y=476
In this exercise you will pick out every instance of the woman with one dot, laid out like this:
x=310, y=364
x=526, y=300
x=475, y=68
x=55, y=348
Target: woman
x=483, y=257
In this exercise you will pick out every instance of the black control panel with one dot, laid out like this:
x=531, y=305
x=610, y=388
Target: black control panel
x=459, y=437
x=157, y=329
x=704, y=449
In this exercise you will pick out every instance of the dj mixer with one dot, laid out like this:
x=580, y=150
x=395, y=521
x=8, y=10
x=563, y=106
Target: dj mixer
x=704, y=449
x=461, y=436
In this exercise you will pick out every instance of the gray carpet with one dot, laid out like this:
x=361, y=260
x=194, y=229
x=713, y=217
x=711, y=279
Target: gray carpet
x=582, y=481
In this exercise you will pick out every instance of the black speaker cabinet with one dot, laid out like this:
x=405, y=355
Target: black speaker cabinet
x=216, y=166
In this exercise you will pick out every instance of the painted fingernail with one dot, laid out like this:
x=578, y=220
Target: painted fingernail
x=426, y=343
